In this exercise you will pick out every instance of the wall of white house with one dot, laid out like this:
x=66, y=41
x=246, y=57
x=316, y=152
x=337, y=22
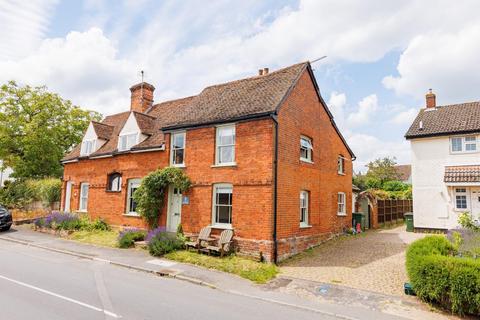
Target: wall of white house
x=4, y=174
x=433, y=200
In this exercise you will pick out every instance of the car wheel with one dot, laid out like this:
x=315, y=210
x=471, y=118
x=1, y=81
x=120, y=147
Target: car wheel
x=5, y=228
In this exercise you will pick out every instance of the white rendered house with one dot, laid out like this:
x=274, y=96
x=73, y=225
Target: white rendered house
x=445, y=144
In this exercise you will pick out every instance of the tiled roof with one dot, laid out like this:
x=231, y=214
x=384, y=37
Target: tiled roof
x=240, y=98
x=231, y=101
x=103, y=131
x=462, y=174
x=446, y=120
x=404, y=171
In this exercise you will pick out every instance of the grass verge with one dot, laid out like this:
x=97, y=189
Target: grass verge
x=96, y=237
x=255, y=271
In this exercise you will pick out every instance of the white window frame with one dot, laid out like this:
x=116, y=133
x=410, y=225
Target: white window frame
x=341, y=165
x=465, y=194
x=309, y=149
x=131, y=183
x=83, y=206
x=84, y=151
x=341, y=204
x=304, y=206
x=173, y=150
x=219, y=146
x=127, y=146
x=216, y=187
x=464, y=144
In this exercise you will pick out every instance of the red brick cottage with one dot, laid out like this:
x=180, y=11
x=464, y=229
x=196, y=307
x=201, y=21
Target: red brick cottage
x=263, y=153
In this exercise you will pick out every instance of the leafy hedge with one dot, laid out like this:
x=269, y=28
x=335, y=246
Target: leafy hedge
x=438, y=276
x=20, y=193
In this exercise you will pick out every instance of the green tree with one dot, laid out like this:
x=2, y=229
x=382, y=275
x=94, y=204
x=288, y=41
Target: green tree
x=382, y=170
x=37, y=128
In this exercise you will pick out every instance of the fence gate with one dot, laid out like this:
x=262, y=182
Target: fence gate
x=392, y=210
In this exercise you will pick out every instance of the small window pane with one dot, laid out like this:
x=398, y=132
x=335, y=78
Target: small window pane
x=179, y=141
x=225, y=145
x=456, y=144
x=461, y=202
x=226, y=135
x=226, y=154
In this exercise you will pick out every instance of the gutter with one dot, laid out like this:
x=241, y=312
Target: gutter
x=275, y=191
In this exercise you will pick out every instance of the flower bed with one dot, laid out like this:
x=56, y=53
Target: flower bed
x=64, y=223
x=440, y=276
x=161, y=242
x=128, y=236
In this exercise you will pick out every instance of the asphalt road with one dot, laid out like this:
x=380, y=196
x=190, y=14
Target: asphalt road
x=39, y=284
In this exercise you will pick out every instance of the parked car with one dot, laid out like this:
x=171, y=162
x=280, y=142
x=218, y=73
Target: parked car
x=5, y=219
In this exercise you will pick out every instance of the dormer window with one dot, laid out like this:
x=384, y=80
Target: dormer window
x=127, y=141
x=88, y=146
x=463, y=144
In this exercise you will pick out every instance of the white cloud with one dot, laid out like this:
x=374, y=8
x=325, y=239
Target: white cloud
x=366, y=110
x=368, y=148
x=83, y=67
x=446, y=62
x=23, y=24
x=405, y=117
x=336, y=104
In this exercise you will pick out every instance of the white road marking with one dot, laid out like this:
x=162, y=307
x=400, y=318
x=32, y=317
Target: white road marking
x=108, y=313
x=162, y=263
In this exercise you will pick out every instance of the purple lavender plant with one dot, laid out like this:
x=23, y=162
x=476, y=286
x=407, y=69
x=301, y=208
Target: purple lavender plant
x=125, y=231
x=153, y=233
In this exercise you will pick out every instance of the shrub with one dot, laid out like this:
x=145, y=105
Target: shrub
x=466, y=220
x=162, y=242
x=69, y=221
x=439, y=277
x=128, y=236
x=20, y=193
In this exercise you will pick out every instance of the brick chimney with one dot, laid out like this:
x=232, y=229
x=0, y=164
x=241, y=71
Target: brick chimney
x=430, y=99
x=142, y=97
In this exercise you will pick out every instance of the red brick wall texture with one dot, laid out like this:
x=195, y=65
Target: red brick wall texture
x=252, y=178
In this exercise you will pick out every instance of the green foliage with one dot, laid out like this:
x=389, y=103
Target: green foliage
x=151, y=193
x=20, y=193
x=395, y=185
x=258, y=272
x=37, y=128
x=439, y=277
x=127, y=239
x=465, y=219
x=382, y=170
x=164, y=242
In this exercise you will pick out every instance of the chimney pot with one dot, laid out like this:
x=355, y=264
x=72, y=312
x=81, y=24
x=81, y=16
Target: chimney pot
x=260, y=72
x=265, y=71
x=430, y=99
x=141, y=97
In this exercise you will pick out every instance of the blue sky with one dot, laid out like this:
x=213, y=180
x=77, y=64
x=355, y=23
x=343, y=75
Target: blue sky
x=382, y=55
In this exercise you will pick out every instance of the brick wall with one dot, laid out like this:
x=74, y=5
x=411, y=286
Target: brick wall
x=303, y=114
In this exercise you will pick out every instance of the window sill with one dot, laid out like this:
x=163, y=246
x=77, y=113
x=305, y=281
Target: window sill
x=178, y=165
x=341, y=174
x=81, y=211
x=305, y=226
x=306, y=161
x=222, y=226
x=132, y=215
x=339, y=214
x=112, y=191
x=221, y=165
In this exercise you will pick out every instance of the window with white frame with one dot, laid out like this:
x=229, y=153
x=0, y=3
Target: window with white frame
x=87, y=147
x=341, y=165
x=304, y=199
x=177, y=156
x=306, y=148
x=83, y=197
x=225, y=145
x=341, y=208
x=463, y=144
x=461, y=198
x=133, y=185
x=222, y=204
x=127, y=141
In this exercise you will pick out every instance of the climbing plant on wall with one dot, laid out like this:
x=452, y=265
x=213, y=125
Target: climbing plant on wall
x=150, y=195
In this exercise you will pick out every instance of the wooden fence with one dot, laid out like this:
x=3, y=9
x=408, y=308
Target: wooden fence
x=392, y=210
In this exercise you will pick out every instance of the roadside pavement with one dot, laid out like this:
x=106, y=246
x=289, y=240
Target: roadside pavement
x=284, y=291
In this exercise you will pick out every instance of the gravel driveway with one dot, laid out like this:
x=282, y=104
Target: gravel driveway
x=372, y=261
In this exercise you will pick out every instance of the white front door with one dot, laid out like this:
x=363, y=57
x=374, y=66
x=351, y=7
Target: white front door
x=475, y=196
x=174, y=209
x=68, y=196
